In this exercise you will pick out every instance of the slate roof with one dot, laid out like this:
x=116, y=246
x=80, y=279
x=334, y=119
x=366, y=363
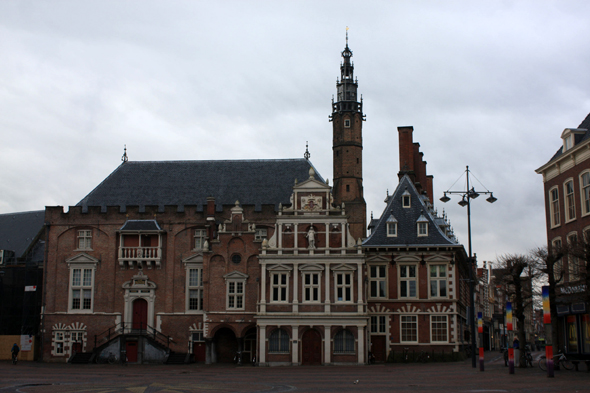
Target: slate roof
x=407, y=233
x=579, y=138
x=18, y=230
x=180, y=183
x=141, y=225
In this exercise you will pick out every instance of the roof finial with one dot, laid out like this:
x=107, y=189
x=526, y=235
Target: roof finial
x=125, y=158
x=306, y=155
x=347, y=36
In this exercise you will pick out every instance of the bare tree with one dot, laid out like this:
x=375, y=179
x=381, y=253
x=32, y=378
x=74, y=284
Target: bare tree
x=549, y=263
x=519, y=288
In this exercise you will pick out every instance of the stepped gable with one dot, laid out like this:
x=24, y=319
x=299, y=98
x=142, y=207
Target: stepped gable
x=18, y=230
x=181, y=183
x=407, y=221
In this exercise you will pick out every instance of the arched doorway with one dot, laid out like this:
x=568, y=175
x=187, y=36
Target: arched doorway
x=249, y=351
x=226, y=345
x=311, y=348
x=140, y=308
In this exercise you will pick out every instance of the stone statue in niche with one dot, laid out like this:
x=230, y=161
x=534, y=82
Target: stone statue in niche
x=310, y=238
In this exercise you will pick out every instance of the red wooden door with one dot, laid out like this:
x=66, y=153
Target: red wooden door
x=199, y=351
x=131, y=347
x=140, y=314
x=311, y=348
x=378, y=348
x=77, y=347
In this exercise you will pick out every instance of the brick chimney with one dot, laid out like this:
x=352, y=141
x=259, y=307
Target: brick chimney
x=406, y=152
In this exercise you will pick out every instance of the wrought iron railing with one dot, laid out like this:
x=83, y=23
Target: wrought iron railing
x=135, y=328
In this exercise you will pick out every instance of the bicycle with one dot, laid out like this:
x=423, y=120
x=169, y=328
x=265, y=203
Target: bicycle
x=405, y=356
x=14, y=358
x=561, y=361
x=110, y=359
x=423, y=357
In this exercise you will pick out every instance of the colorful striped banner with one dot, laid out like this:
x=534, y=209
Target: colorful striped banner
x=509, y=315
x=479, y=322
x=546, y=307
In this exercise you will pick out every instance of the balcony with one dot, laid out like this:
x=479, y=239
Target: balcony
x=150, y=256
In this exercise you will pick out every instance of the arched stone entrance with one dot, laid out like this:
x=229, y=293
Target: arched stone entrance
x=226, y=345
x=311, y=348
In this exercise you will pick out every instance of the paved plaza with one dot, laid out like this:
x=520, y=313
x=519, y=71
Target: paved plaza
x=33, y=377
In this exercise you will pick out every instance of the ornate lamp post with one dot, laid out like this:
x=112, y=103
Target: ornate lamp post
x=467, y=196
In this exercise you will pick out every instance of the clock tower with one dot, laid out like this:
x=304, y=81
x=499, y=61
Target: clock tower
x=347, y=146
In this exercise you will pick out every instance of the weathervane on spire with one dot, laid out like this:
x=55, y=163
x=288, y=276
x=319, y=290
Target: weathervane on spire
x=306, y=155
x=125, y=158
x=347, y=36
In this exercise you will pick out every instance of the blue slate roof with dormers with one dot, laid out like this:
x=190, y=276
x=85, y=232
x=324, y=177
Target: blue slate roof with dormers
x=407, y=219
x=585, y=125
x=182, y=183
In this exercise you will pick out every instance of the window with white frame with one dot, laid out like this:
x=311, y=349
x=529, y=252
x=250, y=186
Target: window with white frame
x=347, y=123
x=554, y=206
x=278, y=341
x=279, y=286
x=439, y=328
x=195, y=288
x=260, y=234
x=585, y=192
x=407, y=280
x=58, y=342
x=344, y=342
x=391, y=226
x=438, y=280
x=85, y=239
x=235, y=295
x=423, y=229
x=570, y=204
x=558, y=265
x=343, y=286
x=377, y=281
x=573, y=264
x=409, y=328
x=81, y=280
x=311, y=287
x=378, y=324
x=406, y=200
x=200, y=237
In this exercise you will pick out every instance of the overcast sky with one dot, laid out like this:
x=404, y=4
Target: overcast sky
x=489, y=84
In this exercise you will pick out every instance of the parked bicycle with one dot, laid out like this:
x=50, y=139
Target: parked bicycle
x=111, y=358
x=406, y=355
x=561, y=361
x=238, y=358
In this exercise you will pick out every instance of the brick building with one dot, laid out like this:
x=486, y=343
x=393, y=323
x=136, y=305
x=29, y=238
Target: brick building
x=204, y=260
x=566, y=180
x=416, y=269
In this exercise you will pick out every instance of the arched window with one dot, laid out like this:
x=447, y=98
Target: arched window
x=279, y=342
x=344, y=342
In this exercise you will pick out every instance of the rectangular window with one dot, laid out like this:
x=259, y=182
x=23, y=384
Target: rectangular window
x=554, y=198
x=378, y=324
x=81, y=287
x=200, y=237
x=392, y=229
x=438, y=281
x=438, y=328
x=85, y=239
x=409, y=328
x=585, y=184
x=406, y=201
x=260, y=234
x=279, y=287
x=558, y=265
x=407, y=276
x=573, y=264
x=59, y=343
x=195, y=289
x=378, y=281
x=235, y=294
x=422, y=229
x=343, y=287
x=311, y=287
x=570, y=205
x=571, y=333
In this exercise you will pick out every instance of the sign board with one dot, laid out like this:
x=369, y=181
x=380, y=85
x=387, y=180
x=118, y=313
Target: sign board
x=30, y=288
x=26, y=342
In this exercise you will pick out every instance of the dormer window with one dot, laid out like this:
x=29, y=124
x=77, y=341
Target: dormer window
x=567, y=142
x=422, y=225
x=406, y=200
x=260, y=234
x=391, y=226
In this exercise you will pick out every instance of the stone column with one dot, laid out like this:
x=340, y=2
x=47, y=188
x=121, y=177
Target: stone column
x=295, y=345
x=208, y=345
x=327, y=289
x=359, y=275
x=295, y=288
x=263, y=289
x=262, y=345
x=327, y=341
x=295, y=238
x=361, y=344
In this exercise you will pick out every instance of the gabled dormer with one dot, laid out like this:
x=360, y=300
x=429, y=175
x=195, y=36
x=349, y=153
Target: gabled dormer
x=310, y=197
x=571, y=136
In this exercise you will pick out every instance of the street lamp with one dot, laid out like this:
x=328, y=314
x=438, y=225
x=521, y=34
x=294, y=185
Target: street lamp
x=467, y=195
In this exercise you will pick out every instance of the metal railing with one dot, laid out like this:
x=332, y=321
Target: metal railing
x=134, y=328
